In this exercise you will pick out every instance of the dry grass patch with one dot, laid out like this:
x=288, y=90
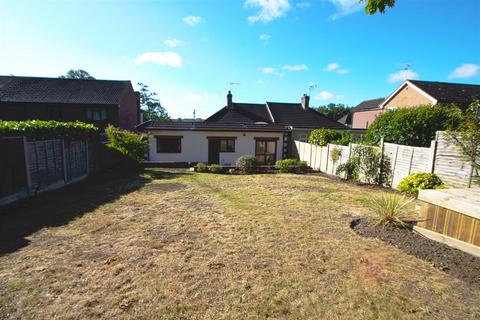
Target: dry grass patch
x=200, y=246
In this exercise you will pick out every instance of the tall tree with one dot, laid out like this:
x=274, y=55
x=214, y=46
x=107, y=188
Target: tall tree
x=77, y=74
x=334, y=111
x=151, y=106
x=377, y=5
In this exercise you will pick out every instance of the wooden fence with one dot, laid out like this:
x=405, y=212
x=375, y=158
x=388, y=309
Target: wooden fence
x=442, y=158
x=28, y=168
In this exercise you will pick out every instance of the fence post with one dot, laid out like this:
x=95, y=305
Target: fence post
x=433, y=155
x=395, y=164
x=64, y=160
x=27, y=165
x=328, y=156
x=86, y=151
x=411, y=160
x=382, y=149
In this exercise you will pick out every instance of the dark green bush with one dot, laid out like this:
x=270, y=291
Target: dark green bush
x=216, y=168
x=201, y=167
x=413, y=126
x=43, y=130
x=322, y=137
x=420, y=181
x=291, y=165
x=350, y=168
x=129, y=143
x=247, y=164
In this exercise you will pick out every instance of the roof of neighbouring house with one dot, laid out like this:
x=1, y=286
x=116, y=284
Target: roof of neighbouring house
x=346, y=119
x=445, y=92
x=368, y=105
x=289, y=114
x=57, y=90
x=212, y=126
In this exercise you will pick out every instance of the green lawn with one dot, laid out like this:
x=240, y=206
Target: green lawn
x=180, y=245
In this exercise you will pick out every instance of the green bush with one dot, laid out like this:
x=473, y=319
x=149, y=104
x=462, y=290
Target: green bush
x=302, y=166
x=413, y=126
x=43, y=130
x=286, y=165
x=131, y=144
x=201, y=167
x=350, y=168
x=336, y=154
x=247, y=164
x=216, y=168
x=420, y=181
x=322, y=137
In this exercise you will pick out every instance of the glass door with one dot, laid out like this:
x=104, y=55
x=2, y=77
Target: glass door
x=265, y=151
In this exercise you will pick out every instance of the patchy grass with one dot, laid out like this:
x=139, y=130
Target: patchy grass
x=178, y=245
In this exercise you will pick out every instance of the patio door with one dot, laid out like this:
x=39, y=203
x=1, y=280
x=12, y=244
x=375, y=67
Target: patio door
x=266, y=151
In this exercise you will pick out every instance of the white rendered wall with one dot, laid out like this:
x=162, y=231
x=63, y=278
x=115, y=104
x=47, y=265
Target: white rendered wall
x=195, y=145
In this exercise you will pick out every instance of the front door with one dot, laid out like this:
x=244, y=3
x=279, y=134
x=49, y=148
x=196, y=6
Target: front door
x=213, y=151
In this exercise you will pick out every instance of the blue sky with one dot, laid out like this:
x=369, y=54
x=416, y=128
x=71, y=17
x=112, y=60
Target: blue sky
x=189, y=51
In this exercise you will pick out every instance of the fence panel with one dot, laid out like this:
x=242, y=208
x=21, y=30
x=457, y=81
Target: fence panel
x=76, y=160
x=13, y=173
x=45, y=161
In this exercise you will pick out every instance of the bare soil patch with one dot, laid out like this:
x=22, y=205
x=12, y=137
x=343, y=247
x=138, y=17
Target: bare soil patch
x=453, y=261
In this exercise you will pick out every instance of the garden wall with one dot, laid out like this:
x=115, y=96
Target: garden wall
x=442, y=158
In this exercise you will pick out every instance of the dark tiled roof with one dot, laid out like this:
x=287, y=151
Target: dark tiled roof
x=293, y=114
x=56, y=90
x=211, y=126
x=368, y=105
x=444, y=92
x=242, y=112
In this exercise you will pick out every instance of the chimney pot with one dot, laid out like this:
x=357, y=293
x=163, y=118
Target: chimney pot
x=229, y=99
x=305, y=101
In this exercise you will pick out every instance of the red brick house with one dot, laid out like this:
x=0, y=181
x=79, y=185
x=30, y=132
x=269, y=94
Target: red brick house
x=100, y=102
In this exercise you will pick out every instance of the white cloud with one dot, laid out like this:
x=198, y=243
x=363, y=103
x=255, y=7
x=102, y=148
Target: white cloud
x=332, y=66
x=403, y=75
x=199, y=97
x=303, y=4
x=269, y=9
x=264, y=37
x=467, y=70
x=167, y=58
x=193, y=20
x=324, y=95
x=173, y=43
x=345, y=7
x=268, y=70
x=297, y=67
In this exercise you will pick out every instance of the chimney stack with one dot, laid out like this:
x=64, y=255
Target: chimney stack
x=305, y=101
x=229, y=99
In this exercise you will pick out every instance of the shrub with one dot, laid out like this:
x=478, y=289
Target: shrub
x=247, y=164
x=390, y=209
x=216, y=168
x=350, y=168
x=413, y=126
x=420, y=181
x=336, y=154
x=286, y=165
x=43, y=130
x=322, y=137
x=371, y=168
x=346, y=137
x=302, y=166
x=201, y=167
x=132, y=145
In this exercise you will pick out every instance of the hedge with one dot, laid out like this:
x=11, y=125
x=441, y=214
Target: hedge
x=44, y=130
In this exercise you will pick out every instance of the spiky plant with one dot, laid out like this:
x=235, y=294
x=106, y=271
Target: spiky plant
x=390, y=209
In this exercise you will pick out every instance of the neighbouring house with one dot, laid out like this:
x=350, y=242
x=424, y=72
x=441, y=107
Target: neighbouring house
x=263, y=130
x=100, y=102
x=362, y=116
x=415, y=92
x=412, y=93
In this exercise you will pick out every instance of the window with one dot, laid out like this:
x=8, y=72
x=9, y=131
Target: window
x=169, y=144
x=97, y=114
x=265, y=150
x=227, y=145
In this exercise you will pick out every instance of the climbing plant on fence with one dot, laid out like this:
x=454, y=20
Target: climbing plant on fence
x=45, y=130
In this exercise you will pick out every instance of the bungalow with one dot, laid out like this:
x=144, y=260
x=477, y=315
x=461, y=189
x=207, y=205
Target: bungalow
x=412, y=93
x=100, y=102
x=263, y=130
